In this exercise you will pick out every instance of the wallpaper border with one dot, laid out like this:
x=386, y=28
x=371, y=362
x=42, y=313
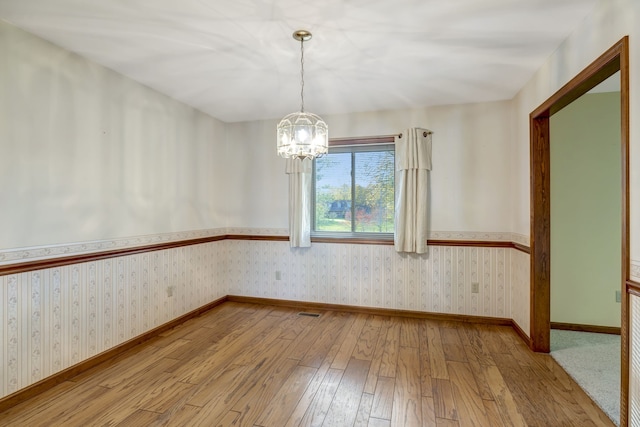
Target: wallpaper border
x=635, y=270
x=40, y=254
x=35, y=253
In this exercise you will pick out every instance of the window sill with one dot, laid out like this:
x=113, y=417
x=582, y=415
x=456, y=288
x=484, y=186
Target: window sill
x=368, y=240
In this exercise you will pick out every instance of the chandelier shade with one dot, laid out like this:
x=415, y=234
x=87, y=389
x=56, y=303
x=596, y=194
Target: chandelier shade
x=302, y=135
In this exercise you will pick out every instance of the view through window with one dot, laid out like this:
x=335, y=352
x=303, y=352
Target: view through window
x=354, y=190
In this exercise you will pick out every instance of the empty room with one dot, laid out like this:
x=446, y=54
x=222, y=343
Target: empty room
x=341, y=213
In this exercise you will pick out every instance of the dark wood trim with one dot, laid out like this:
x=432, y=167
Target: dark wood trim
x=614, y=59
x=625, y=342
x=612, y=330
x=27, y=266
x=386, y=139
x=477, y=243
x=633, y=288
x=522, y=334
x=23, y=267
x=257, y=237
x=303, y=305
x=540, y=235
x=595, y=73
x=352, y=240
x=522, y=248
x=59, y=377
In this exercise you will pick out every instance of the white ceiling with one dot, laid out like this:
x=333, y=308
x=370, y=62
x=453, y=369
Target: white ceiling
x=236, y=59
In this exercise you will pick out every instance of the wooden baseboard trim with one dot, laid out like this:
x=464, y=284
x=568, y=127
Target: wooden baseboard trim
x=522, y=334
x=302, y=305
x=586, y=328
x=59, y=377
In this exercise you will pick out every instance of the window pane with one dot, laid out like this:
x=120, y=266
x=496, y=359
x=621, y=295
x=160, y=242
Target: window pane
x=374, y=201
x=333, y=192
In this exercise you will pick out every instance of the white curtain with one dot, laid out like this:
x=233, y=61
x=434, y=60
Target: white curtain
x=413, y=163
x=299, y=202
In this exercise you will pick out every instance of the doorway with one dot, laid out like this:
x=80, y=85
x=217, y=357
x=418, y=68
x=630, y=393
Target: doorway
x=614, y=60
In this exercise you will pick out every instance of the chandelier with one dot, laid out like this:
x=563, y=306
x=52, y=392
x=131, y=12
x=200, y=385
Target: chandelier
x=302, y=135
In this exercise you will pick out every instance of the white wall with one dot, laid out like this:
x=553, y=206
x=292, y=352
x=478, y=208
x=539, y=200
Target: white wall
x=470, y=180
x=87, y=154
x=610, y=21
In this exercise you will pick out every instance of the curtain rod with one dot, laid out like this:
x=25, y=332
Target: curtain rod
x=425, y=133
x=370, y=140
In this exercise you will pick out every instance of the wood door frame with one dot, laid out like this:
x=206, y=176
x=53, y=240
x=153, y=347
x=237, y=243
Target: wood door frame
x=613, y=60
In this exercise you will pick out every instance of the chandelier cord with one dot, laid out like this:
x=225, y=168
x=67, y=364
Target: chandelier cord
x=302, y=75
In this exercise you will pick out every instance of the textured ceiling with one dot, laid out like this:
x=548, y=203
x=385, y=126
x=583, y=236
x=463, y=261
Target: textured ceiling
x=236, y=59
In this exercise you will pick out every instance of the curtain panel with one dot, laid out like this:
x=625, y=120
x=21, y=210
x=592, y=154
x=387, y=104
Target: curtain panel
x=299, y=172
x=413, y=163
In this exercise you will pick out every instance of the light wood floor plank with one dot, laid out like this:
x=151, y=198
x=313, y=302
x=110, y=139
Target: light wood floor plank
x=317, y=344
x=407, y=399
x=251, y=365
x=443, y=401
x=363, y=418
x=437, y=360
x=452, y=345
x=469, y=404
x=377, y=422
x=349, y=343
x=317, y=409
x=390, y=353
x=428, y=411
x=376, y=361
x=366, y=343
x=140, y=418
x=344, y=407
x=410, y=333
x=281, y=406
x=319, y=380
x=426, y=385
x=493, y=414
x=383, y=398
x=477, y=355
x=503, y=398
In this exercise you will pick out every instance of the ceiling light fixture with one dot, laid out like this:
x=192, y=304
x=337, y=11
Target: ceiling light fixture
x=302, y=135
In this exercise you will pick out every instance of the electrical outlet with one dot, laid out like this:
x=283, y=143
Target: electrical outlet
x=475, y=288
x=278, y=275
x=618, y=296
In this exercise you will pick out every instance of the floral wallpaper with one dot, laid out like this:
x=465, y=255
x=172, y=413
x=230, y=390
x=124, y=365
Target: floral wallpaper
x=634, y=359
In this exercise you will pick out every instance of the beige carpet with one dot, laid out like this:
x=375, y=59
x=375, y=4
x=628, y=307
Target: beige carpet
x=593, y=361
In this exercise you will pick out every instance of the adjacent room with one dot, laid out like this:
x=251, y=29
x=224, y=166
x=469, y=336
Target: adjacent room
x=184, y=243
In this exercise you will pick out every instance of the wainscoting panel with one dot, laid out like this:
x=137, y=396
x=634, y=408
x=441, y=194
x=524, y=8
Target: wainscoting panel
x=54, y=318
x=634, y=359
x=635, y=270
x=374, y=276
x=521, y=290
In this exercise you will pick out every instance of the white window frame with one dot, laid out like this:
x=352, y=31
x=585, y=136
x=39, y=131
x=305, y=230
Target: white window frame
x=368, y=144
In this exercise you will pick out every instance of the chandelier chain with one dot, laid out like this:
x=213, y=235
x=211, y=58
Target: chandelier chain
x=302, y=75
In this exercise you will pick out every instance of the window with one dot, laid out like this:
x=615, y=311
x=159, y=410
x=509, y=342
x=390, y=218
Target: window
x=353, y=191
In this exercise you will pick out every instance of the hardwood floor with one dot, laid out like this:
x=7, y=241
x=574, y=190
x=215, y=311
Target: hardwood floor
x=252, y=365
